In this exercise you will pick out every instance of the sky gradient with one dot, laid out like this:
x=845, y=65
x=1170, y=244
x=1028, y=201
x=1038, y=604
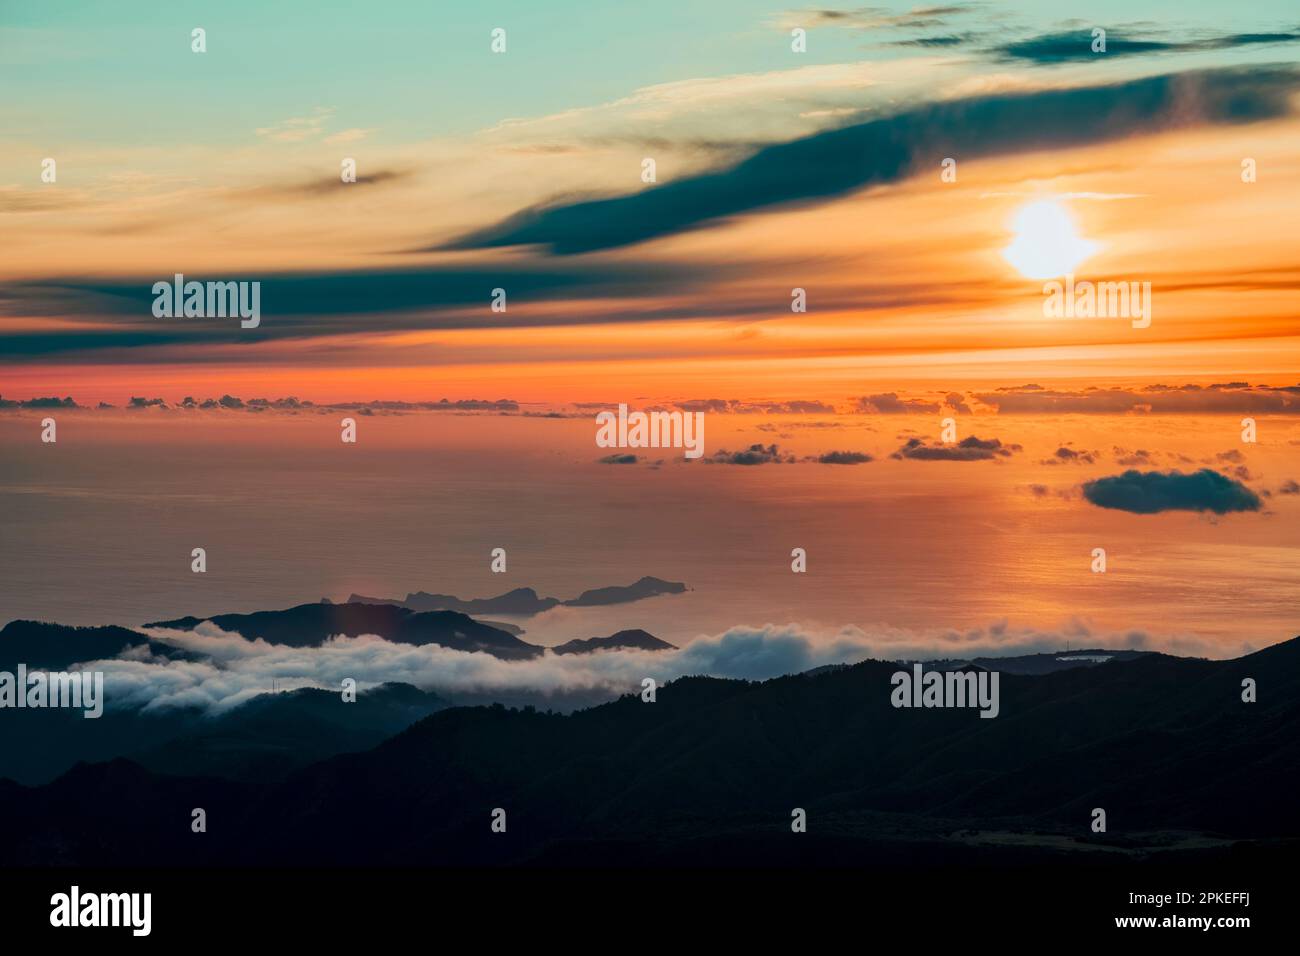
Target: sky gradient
x=821, y=171
x=824, y=168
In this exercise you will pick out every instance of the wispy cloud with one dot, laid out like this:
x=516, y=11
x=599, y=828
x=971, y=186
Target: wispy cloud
x=1068, y=46
x=1225, y=397
x=829, y=164
x=878, y=18
x=321, y=186
x=353, y=135
x=298, y=129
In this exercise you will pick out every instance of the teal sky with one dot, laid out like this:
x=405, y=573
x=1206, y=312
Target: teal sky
x=122, y=72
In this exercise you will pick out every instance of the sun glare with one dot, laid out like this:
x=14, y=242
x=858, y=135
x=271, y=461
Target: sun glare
x=1046, y=243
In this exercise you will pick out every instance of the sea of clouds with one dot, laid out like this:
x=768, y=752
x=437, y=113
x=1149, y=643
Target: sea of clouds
x=233, y=670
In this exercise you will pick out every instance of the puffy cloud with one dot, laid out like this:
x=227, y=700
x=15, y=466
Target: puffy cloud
x=39, y=403
x=845, y=458
x=957, y=402
x=968, y=449
x=888, y=403
x=1070, y=456
x=753, y=455
x=1125, y=457
x=1150, y=492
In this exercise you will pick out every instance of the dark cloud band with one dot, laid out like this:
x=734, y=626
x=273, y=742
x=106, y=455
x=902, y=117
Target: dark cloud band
x=840, y=161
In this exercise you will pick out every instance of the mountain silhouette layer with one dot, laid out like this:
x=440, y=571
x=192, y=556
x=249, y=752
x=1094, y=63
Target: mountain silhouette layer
x=265, y=737
x=310, y=625
x=644, y=588
x=711, y=771
x=520, y=601
x=272, y=734
x=525, y=601
x=634, y=639
x=58, y=647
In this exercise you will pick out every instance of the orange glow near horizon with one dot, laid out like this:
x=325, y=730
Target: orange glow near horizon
x=918, y=289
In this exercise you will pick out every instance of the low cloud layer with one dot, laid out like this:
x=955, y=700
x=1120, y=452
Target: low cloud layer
x=235, y=670
x=1030, y=399
x=1226, y=397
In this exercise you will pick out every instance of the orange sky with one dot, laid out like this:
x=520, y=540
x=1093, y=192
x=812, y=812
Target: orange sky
x=905, y=283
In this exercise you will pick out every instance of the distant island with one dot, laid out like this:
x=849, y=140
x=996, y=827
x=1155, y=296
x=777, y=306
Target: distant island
x=526, y=601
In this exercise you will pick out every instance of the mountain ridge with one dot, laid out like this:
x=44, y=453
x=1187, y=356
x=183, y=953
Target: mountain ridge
x=526, y=601
x=709, y=772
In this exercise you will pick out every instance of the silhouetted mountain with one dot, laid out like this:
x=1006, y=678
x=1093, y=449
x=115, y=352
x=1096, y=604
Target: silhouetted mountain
x=310, y=625
x=267, y=736
x=709, y=773
x=272, y=734
x=646, y=587
x=638, y=639
x=40, y=744
x=521, y=601
x=525, y=601
x=124, y=816
x=58, y=646
x=1045, y=663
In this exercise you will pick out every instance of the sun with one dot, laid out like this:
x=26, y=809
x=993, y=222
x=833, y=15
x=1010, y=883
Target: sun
x=1046, y=243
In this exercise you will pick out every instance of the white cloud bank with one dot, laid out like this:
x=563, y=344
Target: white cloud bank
x=234, y=670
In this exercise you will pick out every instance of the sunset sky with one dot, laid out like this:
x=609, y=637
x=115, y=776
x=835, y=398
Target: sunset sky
x=381, y=288
x=775, y=171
